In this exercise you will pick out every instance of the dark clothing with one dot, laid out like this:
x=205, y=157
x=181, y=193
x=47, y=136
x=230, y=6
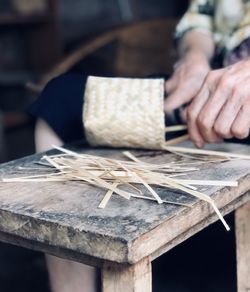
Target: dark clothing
x=60, y=105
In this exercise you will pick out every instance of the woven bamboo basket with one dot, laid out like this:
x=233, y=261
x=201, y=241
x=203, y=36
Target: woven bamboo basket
x=124, y=112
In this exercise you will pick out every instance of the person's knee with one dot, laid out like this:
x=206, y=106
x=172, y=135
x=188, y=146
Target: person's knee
x=67, y=276
x=45, y=137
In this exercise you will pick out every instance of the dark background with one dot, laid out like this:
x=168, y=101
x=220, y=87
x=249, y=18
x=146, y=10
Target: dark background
x=34, y=36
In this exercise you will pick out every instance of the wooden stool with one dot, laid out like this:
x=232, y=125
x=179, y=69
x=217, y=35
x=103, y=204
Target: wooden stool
x=124, y=238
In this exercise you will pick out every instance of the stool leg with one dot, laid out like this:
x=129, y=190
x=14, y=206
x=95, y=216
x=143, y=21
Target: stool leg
x=242, y=222
x=135, y=278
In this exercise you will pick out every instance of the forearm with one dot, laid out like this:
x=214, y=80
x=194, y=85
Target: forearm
x=196, y=42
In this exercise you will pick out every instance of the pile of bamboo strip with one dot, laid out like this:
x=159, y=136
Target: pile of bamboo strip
x=110, y=174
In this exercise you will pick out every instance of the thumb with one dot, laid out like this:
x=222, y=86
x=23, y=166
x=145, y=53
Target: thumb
x=178, y=98
x=170, y=85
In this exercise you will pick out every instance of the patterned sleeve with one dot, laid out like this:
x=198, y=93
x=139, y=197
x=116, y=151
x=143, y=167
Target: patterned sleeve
x=242, y=32
x=199, y=16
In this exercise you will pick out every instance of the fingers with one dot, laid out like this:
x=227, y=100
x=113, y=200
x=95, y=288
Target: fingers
x=221, y=109
x=180, y=92
x=181, y=95
x=189, y=74
x=199, y=115
x=170, y=85
x=173, y=101
x=192, y=114
x=241, y=125
x=218, y=95
x=227, y=116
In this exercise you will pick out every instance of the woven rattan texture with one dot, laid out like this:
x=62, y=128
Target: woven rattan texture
x=124, y=112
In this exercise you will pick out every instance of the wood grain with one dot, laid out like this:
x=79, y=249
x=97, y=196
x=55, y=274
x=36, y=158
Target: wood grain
x=136, y=278
x=242, y=219
x=64, y=219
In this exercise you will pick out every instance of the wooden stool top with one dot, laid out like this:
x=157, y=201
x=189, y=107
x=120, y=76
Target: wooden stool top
x=63, y=218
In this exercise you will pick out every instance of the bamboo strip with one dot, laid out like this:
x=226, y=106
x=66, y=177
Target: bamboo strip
x=104, y=184
x=107, y=197
x=164, y=201
x=108, y=173
x=155, y=195
x=198, y=182
x=52, y=162
x=205, y=198
x=130, y=156
x=129, y=184
x=127, y=178
x=175, y=128
x=177, y=140
x=206, y=152
x=66, y=151
x=44, y=179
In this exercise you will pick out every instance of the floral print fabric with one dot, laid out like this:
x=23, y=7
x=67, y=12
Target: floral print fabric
x=228, y=21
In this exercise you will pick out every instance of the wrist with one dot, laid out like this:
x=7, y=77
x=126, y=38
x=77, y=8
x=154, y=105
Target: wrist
x=193, y=58
x=198, y=43
x=196, y=55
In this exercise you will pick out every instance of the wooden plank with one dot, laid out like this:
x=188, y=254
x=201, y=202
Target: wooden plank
x=64, y=253
x=135, y=278
x=80, y=256
x=242, y=219
x=66, y=216
x=200, y=226
x=181, y=227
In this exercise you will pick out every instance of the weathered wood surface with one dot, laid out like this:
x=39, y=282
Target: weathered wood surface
x=64, y=219
x=135, y=278
x=242, y=219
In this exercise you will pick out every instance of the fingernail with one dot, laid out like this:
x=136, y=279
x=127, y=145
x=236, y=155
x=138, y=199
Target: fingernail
x=199, y=144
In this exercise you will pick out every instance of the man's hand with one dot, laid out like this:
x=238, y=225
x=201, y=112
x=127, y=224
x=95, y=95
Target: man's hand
x=186, y=80
x=221, y=109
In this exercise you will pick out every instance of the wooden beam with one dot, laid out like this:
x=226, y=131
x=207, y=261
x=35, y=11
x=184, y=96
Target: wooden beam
x=242, y=219
x=135, y=278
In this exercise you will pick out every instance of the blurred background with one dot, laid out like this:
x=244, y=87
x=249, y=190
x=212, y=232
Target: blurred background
x=40, y=39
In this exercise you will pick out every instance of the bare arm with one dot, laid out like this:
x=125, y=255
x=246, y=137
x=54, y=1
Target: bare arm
x=196, y=41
